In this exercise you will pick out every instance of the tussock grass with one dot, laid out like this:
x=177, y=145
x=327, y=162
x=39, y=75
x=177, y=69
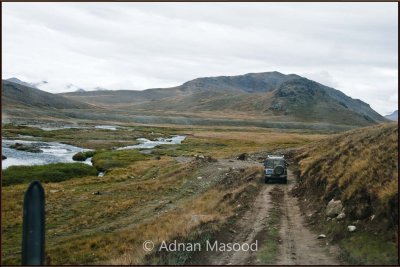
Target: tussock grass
x=107, y=159
x=56, y=172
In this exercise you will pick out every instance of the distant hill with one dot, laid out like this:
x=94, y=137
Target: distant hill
x=393, y=116
x=18, y=81
x=269, y=94
x=15, y=94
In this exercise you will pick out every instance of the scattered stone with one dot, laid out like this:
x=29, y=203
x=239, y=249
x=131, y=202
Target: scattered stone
x=328, y=219
x=131, y=177
x=341, y=216
x=309, y=215
x=321, y=236
x=199, y=178
x=232, y=231
x=351, y=228
x=334, y=208
x=372, y=217
x=96, y=193
x=101, y=174
x=54, y=191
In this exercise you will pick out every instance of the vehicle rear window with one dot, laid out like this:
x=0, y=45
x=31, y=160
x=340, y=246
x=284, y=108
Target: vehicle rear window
x=271, y=163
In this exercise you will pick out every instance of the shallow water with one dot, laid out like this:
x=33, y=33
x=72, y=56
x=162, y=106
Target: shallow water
x=53, y=152
x=146, y=143
x=106, y=127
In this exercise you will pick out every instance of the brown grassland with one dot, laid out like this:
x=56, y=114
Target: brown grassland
x=141, y=197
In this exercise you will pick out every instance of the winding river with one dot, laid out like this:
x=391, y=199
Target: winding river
x=53, y=152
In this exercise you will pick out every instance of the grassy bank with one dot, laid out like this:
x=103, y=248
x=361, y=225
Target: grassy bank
x=56, y=172
x=360, y=168
x=105, y=160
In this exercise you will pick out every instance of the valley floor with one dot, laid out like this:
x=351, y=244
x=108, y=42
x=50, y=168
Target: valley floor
x=194, y=191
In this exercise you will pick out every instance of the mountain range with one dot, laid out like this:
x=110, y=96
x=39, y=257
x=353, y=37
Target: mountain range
x=393, y=116
x=271, y=96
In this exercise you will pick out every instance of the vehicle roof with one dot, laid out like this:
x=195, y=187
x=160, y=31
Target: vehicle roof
x=275, y=157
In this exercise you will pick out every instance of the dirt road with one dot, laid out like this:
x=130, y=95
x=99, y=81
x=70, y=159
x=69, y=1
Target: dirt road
x=298, y=246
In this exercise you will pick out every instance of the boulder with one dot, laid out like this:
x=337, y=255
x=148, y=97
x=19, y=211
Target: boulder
x=3, y=157
x=26, y=147
x=351, y=228
x=334, y=208
x=80, y=156
x=321, y=236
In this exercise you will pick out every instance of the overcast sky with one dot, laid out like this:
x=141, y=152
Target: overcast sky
x=349, y=46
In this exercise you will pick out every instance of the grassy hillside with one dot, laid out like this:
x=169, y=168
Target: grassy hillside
x=14, y=94
x=360, y=168
x=270, y=95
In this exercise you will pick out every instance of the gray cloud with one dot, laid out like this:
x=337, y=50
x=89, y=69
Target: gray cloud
x=349, y=46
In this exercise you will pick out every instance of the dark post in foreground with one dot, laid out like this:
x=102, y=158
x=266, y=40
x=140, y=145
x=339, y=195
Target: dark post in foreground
x=33, y=225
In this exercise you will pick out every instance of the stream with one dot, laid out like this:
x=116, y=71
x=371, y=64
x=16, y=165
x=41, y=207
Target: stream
x=53, y=152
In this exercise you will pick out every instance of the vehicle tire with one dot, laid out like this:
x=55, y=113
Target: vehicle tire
x=279, y=170
x=266, y=180
x=285, y=181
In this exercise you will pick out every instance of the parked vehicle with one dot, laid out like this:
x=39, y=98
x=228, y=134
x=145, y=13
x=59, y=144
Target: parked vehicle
x=275, y=168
